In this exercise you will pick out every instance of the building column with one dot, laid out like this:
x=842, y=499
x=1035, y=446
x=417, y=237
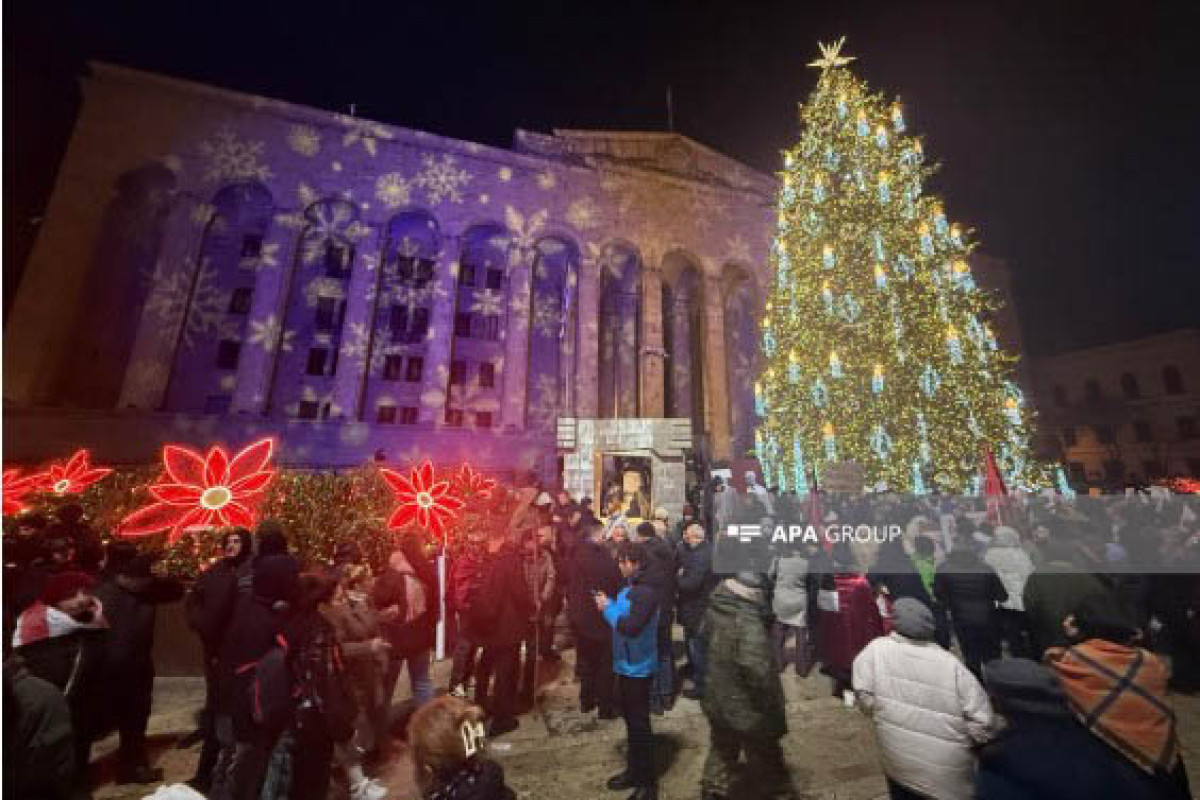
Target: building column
x=650, y=356
x=516, y=344
x=153, y=355
x=587, y=363
x=353, y=357
x=716, y=388
x=436, y=377
x=265, y=337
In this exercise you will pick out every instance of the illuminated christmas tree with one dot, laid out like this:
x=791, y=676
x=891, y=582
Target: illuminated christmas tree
x=876, y=338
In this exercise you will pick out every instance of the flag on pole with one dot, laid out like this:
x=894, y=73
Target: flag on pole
x=993, y=486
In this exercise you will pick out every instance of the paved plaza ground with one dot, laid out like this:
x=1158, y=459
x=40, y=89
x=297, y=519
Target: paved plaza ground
x=559, y=753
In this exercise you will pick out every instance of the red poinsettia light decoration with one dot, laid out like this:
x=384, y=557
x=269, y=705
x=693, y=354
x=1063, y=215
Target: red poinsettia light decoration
x=470, y=483
x=15, y=489
x=72, y=477
x=428, y=502
x=203, y=491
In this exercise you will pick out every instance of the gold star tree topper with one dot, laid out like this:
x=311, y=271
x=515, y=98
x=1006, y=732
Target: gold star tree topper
x=831, y=55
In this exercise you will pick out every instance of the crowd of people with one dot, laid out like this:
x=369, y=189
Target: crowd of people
x=974, y=645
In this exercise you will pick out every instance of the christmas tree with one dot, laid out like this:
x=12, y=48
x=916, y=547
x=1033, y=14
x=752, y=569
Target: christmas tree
x=876, y=338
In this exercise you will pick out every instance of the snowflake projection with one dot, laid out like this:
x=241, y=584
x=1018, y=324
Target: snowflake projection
x=474, y=397
x=434, y=395
x=547, y=180
x=543, y=402
x=355, y=342
x=489, y=303
x=269, y=335
x=321, y=287
x=505, y=174
x=313, y=396
x=393, y=189
x=739, y=249
x=306, y=194
x=145, y=376
x=305, y=140
x=364, y=132
x=583, y=214
x=232, y=159
x=170, y=292
x=328, y=221
x=547, y=319
x=524, y=232
x=484, y=199
x=442, y=179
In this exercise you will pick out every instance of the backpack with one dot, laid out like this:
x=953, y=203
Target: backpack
x=270, y=686
x=324, y=699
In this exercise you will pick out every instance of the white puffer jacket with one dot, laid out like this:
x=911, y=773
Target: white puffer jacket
x=1011, y=563
x=791, y=592
x=928, y=712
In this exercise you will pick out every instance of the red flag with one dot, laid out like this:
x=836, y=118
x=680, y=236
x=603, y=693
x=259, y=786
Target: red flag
x=993, y=486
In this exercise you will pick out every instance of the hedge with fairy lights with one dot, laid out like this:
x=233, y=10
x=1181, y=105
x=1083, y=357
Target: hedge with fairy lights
x=876, y=337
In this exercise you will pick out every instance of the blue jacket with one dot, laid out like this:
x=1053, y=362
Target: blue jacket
x=634, y=620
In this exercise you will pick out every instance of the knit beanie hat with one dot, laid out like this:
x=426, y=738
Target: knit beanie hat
x=63, y=586
x=1019, y=685
x=913, y=619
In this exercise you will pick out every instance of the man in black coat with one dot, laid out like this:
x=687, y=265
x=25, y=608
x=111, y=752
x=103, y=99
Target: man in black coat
x=696, y=582
x=593, y=570
x=971, y=590
x=661, y=575
x=503, y=610
x=131, y=595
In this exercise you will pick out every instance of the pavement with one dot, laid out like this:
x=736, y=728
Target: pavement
x=558, y=752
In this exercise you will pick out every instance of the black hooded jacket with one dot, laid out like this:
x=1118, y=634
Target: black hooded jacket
x=211, y=602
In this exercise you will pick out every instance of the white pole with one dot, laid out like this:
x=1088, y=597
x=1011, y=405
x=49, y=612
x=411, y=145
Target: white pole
x=440, y=646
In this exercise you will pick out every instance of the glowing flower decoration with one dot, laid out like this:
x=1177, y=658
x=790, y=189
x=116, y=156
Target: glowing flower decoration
x=73, y=477
x=15, y=489
x=427, y=502
x=470, y=483
x=203, y=491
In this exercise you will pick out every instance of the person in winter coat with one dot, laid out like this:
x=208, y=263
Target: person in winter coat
x=450, y=753
x=502, y=612
x=696, y=582
x=1014, y=566
x=928, y=710
x=466, y=576
x=744, y=703
x=209, y=607
x=540, y=573
x=593, y=570
x=406, y=595
x=661, y=574
x=848, y=619
x=131, y=596
x=39, y=753
x=1052, y=593
x=1015, y=765
x=258, y=623
x=971, y=590
x=62, y=639
x=633, y=617
x=686, y=520
x=790, y=603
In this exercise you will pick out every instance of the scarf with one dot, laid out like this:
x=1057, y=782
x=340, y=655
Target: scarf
x=1117, y=693
x=41, y=621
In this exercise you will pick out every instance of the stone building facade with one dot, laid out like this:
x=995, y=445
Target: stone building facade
x=1122, y=411
x=215, y=266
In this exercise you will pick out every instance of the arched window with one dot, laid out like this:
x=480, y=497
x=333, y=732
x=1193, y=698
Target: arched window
x=1129, y=386
x=399, y=335
x=220, y=297
x=475, y=384
x=1172, y=380
x=683, y=332
x=620, y=332
x=311, y=330
x=552, y=333
x=741, y=358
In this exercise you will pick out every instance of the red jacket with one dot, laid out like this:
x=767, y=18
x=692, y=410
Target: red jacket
x=841, y=635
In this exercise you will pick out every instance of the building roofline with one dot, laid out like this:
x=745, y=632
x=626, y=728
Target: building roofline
x=1179, y=334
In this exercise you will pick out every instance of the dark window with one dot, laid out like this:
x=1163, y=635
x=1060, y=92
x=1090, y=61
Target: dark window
x=424, y=271
x=483, y=419
x=1142, y=431
x=1077, y=472
x=1068, y=436
x=338, y=258
x=454, y=417
x=317, y=357
x=489, y=328
x=1092, y=389
x=458, y=373
x=1129, y=386
x=398, y=321
x=239, y=301
x=408, y=415
x=329, y=313
x=1152, y=469
x=386, y=415
x=416, y=366
x=495, y=279
x=1060, y=396
x=1104, y=434
x=1186, y=427
x=308, y=409
x=404, y=268
x=227, y=354
x=391, y=367
x=487, y=375
x=466, y=275
x=1172, y=380
x=462, y=324
x=420, y=326
x=217, y=404
x=252, y=245
x=325, y=410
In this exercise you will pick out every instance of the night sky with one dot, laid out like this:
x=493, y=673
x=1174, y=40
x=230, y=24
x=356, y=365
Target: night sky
x=1069, y=136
